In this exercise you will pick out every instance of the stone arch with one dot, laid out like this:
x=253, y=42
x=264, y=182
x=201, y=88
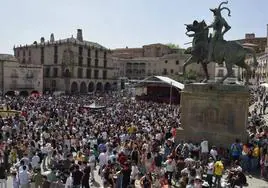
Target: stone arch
x=74, y=87
x=114, y=86
x=83, y=88
x=107, y=86
x=99, y=86
x=10, y=93
x=24, y=93
x=91, y=87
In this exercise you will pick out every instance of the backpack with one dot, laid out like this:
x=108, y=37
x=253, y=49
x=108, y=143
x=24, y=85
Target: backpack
x=235, y=148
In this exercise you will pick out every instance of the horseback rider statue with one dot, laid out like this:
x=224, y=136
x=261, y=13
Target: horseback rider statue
x=206, y=49
x=218, y=24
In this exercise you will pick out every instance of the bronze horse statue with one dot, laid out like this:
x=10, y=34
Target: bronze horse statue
x=230, y=52
x=199, y=49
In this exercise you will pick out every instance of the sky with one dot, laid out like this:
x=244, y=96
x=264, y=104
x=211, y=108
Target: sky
x=121, y=23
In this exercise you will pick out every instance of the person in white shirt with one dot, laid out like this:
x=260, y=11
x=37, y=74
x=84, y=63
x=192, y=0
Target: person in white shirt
x=170, y=168
x=198, y=169
x=237, y=167
x=15, y=180
x=21, y=166
x=134, y=173
x=91, y=163
x=204, y=150
x=214, y=153
x=24, y=178
x=104, y=135
x=69, y=181
x=210, y=171
x=35, y=161
x=187, y=172
x=103, y=159
x=189, y=161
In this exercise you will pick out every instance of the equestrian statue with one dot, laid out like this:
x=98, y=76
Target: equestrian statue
x=213, y=48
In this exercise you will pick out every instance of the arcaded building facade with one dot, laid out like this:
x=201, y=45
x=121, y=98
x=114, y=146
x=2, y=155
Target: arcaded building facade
x=154, y=60
x=72, y=65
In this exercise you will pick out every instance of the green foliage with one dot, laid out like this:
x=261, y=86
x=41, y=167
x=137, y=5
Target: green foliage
x=190, y=75
x=173, y=46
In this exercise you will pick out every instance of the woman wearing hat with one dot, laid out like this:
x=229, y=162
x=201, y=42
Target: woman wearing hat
x=198, y=182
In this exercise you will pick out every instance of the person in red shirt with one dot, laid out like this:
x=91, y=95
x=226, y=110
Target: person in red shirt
x=174, y=131
x=122, y=158
x=164, y=181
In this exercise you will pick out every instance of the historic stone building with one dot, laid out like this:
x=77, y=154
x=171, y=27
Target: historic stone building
x=72, y=65
x=19, y=78
x=258, y=43
x=152, y=60
x=260, y=73
x=221, y=71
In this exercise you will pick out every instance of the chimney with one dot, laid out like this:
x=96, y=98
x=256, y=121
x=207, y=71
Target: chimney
x=250, y=35
x=52, y=38
x=79, y=35
x=42, y=40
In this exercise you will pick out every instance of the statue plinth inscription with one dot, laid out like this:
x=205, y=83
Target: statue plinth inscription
x=210, y=115
x=215, y=112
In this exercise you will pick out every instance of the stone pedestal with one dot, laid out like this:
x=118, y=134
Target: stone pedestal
x=215, y=112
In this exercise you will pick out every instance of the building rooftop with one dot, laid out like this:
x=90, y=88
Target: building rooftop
x=68, y=40
x=7, y=57
x=127, y=48
x=141, y=48
x=255, y=38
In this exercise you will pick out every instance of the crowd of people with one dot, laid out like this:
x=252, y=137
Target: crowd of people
x=62, y=141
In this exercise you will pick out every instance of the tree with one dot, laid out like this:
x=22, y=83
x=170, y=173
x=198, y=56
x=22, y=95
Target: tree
x=173, y=46
x=189, y=75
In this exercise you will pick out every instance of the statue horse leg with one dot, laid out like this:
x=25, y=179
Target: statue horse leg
x=187, y=62
x=229, y=67
x=242, y=64
x=205, y=68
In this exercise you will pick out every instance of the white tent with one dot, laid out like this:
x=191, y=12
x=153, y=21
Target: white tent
x=171, y=82
x=94, y=106
x=264, y=85
x=163, y=79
